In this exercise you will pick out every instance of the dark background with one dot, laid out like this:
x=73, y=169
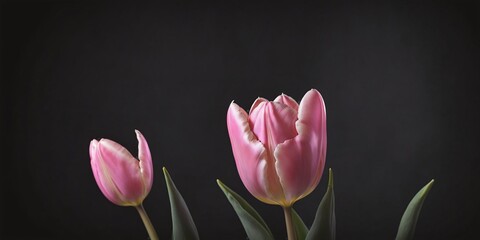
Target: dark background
x=399, y=80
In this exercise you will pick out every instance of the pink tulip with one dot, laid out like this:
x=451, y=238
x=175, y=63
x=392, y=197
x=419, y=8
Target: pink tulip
x=280, y=146
x=123, y=179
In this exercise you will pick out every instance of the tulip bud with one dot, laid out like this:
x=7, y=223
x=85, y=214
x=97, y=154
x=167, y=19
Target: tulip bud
x=123, y=180
x=280, y=146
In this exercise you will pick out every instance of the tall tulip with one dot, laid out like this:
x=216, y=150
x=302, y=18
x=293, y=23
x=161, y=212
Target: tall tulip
x=280, y=147
x=123, y=179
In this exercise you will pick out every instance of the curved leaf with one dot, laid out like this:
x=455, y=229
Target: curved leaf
x=252, y=222
x=301, y=229
x=406, y=229
x=183, y=226
x=323, y=226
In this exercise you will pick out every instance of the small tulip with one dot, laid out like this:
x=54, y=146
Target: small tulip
x=123, y=179
x=280, y=146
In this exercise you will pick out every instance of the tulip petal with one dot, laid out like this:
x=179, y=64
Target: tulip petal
x=256, y=103
x=287, y=100
x=93, y=149
x=251, y=158
x=300, y=161
x=273, y=123
x=103, y=181
x=123, y=169
x=146, y=166
x=312, y=113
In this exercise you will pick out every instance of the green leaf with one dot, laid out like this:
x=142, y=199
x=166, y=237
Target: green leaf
x=323, y=226
x=301, y=229
x=252, y=222
x=406, y=230
x=183, y=226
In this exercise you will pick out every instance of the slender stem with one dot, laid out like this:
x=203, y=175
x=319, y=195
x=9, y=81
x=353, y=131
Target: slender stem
x=146, y=221
x=289, y=223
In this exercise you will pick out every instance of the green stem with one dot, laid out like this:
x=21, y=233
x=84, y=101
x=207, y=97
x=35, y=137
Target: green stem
x=289, y=223
x=146, y=221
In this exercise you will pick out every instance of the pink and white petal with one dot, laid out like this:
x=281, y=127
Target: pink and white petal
x=256, y=103
x=300, y=163
x=104, y=183
x=275, y=124
x=287, y=100
x=268, y=179
x=256, y=111
x=312, y=123
x=123, y=169
x=145, y=157
x=92, y=150
x=249, y=153
x=312, y=112
x=100, y=178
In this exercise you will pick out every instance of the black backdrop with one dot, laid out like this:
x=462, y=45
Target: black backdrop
x=399, y=81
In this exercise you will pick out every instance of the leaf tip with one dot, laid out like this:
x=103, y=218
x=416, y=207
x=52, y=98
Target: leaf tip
x=223, y=187
x=330, y=177
x=428, y=186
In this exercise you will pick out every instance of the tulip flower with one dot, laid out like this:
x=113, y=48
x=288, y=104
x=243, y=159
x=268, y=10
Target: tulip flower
x=123, y=179
x=280, y=146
